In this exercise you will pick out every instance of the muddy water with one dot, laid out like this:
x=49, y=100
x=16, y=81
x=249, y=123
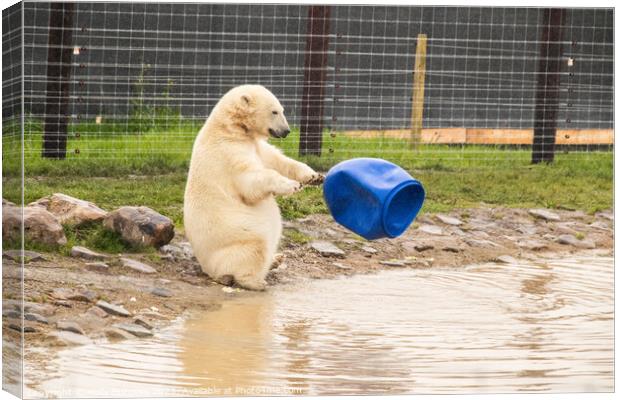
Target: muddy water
x=546, y=327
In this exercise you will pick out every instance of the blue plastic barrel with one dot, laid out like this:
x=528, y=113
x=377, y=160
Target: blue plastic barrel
x=372, y=197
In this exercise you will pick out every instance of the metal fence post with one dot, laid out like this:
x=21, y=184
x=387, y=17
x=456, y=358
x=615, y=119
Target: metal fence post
x=58, y=74
x=312, y=103
x=548, y=86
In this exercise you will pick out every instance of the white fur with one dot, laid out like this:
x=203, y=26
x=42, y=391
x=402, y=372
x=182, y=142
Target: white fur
x=230, y=214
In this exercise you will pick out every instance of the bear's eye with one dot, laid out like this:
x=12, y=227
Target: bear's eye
x=274, y=112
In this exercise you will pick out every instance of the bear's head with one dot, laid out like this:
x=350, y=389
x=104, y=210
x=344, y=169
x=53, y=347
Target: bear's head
x=256, y=111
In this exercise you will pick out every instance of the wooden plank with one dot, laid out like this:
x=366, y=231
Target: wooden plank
x=489, y=136
x=499, y=136
x=417, y=105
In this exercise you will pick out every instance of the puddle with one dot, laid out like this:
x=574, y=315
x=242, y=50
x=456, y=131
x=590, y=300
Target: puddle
x=491, y=328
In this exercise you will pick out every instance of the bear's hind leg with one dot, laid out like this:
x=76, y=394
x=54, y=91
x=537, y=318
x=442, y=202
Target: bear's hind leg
x=246, y=261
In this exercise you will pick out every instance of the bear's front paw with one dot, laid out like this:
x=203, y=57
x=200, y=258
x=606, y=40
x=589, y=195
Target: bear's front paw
x=286, y=186
x=315, y=179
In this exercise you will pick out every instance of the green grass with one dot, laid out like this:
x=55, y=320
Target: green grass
x=115, y=168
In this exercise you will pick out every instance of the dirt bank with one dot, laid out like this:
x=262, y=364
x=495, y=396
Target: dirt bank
x=62, y=293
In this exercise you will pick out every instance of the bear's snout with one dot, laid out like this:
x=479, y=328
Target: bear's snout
x=280, y=133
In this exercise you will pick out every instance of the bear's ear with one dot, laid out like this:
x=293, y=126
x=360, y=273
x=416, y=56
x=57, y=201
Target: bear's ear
x=247, y=100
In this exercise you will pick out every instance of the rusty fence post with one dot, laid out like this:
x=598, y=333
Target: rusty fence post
x=58, y=75
x=315, y=65
x=548, y=86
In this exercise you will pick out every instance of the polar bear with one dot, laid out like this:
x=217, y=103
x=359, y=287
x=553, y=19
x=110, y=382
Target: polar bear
x=231, y=217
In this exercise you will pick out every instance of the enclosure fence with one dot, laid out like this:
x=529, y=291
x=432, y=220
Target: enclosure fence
x=454, y=85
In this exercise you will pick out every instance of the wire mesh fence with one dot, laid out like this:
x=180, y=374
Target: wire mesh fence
x=454, y=86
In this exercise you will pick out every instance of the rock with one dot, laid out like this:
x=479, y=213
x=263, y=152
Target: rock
x=532, y=245
x=423, y=246
x=142, y=321
x=66, y=338
x=452, y=249
x=138, y=266
x=605, y=215
x=140, y=226
x=480, y=234
x=327, y=249
x=341, y=266
x=5, y=202
x=97, y=267
x=135, y=330
x=97, y=312
x=62, y=293
x=83, y=252
x=573, y=241
x=72, y=211
x=179, y=251
x=40, y=226
x=85, y=296
x=369, y=250
x=527, y=229
x=506, y=259
x=449, y=220
x=11, y=314
x=63, y=303
x=28, y=307
x=70, y=326
x=393, y=263
x=115, y=334
x=544, y=214
x=27, y=328
x=481, y=243
x=161, y=292
x=26, y=255
x=600, y=225
x=431, y=229
x=36, y=318
x=113, y=309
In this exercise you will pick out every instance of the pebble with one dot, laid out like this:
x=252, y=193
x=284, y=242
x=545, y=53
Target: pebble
x=573, y=241
x=370, y=250
x=600, y=225
x=161, y=292
x=97, y=267
x=449, y=220
x=117, y=334
x=86, y=296
x=98, y=312
x=506, y=259
x=138, y=266
x=83, y=252
x=393, y=263
x=327, y=249
x=28, y=255
x=140, y=320
x=341, y=266
x=605, y=215
x=27, y=328
x=544, y=214
x=113, y=309
x=532, y=245
x=452, y=249
x=431, y=229
x=135, y=330
x=423, y=246
x=480, y=243
x=66, y=338
x=62, y=293
x=36, y=318
x=70, y=326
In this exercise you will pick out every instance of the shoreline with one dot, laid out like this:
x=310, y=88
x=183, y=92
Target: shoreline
x=65, y=293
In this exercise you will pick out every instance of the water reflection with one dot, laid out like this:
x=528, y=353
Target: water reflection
x=488, y=328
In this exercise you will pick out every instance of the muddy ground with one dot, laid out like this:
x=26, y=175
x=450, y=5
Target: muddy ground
x=62, y=293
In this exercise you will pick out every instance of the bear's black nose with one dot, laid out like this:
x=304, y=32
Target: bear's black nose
x=284, y=133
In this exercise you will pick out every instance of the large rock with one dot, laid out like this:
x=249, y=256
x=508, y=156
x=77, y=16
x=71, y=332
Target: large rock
x=140, y=226
x=40, y=226
x=72, y=211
